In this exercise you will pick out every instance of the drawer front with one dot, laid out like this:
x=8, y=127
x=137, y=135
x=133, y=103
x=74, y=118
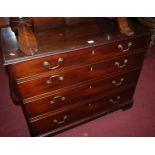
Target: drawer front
x=76, y=95
x=64, y=79
x=90, y=108
x=65, y=60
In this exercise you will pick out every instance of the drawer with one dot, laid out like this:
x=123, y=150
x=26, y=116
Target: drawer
x=51, y=82
x=90, y=108
x=76, y=95
x=69, y=59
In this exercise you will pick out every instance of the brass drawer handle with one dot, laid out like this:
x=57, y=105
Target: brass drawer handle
x=123, y=65
x=49, y=66
x=120, y=46
x=115, y=83
x=60, y=122
x=49, y=81
x=62, y=98
x=115, y=100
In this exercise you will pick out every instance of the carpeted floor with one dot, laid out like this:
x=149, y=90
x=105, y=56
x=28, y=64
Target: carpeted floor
x=137, y=121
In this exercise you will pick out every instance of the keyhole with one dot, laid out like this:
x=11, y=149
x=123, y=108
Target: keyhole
x=91, y=69
x=92, y=52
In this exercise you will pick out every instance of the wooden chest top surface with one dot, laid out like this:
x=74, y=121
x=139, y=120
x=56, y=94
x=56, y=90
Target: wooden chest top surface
x=64, y=39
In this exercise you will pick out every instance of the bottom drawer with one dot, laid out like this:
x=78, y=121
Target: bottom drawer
x=53, y=121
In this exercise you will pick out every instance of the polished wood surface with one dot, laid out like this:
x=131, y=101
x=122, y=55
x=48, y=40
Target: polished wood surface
x=67, y=97
x=90, y=108
x=4, y=22
x=150, y=23
x=68, y=38
x=124, y=26
x=27, y=40
x=43, y=24
x=83, y=68
x=80, y=57
x=16, y=21
x=22, y=27
x=41, y=85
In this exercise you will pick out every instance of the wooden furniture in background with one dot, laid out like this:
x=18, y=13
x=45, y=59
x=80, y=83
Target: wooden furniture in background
x=80, y=72
x=124, y=26
x=4, y=22
x=150, y=23
x=26, y=38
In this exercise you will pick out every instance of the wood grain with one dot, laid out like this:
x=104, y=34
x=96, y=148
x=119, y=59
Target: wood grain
x=70, y=38
x=27, y=40
x=39, y=85
x=89, y=108
x=78, y=57
x=79, y=94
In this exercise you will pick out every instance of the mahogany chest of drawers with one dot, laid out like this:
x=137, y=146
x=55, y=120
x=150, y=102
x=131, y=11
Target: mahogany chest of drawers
x=80, y=72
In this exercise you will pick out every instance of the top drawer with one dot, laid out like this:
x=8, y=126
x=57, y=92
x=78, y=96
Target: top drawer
x=65, y=60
